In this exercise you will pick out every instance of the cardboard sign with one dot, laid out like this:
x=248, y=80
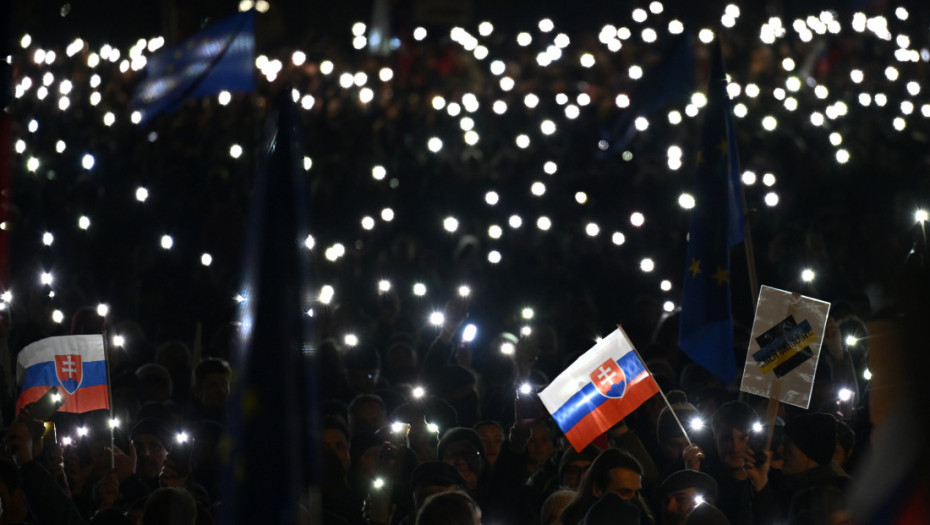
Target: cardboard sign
x=785, y=346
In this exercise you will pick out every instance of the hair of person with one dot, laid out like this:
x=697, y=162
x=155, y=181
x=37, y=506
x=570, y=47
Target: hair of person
x=449, y=508
x=363, y=399
x=598, y=475
x=208, y=366
x=170, y=505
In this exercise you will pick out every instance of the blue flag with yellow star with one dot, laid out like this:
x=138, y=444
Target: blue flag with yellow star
x=706, y=326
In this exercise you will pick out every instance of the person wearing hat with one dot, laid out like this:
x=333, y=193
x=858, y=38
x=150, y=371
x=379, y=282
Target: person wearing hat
x=808, y=448
x=150, y=439
x=681, y=492
x=429, y=478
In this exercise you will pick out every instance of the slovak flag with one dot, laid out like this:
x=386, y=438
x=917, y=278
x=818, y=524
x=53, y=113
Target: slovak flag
x=75, y=364
x=598, y=390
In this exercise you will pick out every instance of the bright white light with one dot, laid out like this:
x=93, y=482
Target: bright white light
x=538, y=189
x=450, y=224
x=32, y=164
x=57, y=316
x=686, y=201
x=495, y=231
x=368, y=222
x=522, y=141
x=844, y=394
x=531, y=100
x=546, y=25
x=491, y=198
x=436, y=318
x=637, y=219
x=524, y=39
x=891, y=73
x=618, y=238
x=206, y=259
x=587, y=60
x=419, y=33
x=469, y=333
x=592, y=229
x=499, y=107
x=665, y=285
x=635, y=72
x=103, y=310
x=851, y=340
x=768, y=179
x=46, y=278
x=378, y=172
x=867, y=374
x=527, y=313
x=82, y=431
x=167, y=242
x=419, y=289
x=641, y=123
x=550, y=167
x=836, y=139
x=543, y=223
x=48, y=238
x=87, y=161
x=674, y=117
x=757, y=427
x=696, y=423
x=384, y=286
x=771, y=199
x=515, y=221
x=769, y=123
x=326, y=294
x=668, y=306
x=706, y=36
x=434, y=144
x=547, y=127
x=494, y=257
x=309, y=242
x=921, y=216
x=350, y=340
x=235, y=151
x=647, y=265
x=675, y=27
x=83, y=222
x=508, y=348
x=581, y=197
x=842, y=156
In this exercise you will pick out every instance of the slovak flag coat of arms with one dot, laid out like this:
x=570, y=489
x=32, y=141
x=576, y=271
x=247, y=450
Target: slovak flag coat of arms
x=75, y=364
x=599, y=389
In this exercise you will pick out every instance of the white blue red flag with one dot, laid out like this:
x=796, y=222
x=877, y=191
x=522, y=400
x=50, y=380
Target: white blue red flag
x=598, y=390
x=74, y=364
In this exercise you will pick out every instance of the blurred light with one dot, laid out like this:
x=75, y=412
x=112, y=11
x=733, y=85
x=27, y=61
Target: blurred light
x=546, y=25
x=142, y=194
x=515, y=221
x=696, y=423
x=419, y=33
x=522, y=141
x=57, y=316
x=547, y=127
x=641, y=123
x=647, y=265
x=87, y=162
x=668, y=306
x=508, y=348
x=378, y=172
x=768, y=179
x=665, y=285
x=350, y=340
x=494, y=257
x=757, y=427
x=434, y=144
x=587, y=60
x=206, y=259
x=675, y=27
x=674, y=117
x=83, y=222
x=550, y=167
x=48, y=238
x=103, y=310
x=618, y=238
x=527, y=313
x=592, y=229
x=851, y=340
x=495, y=231
x=921, y=216
x=469, y=333
x=450, y=224
x=235, y=151
x=581, y=197
x=491, y=198
x=637, y=219
x=844, y=394
x=769, y=123
x=384, y=286
x=842, y=156
x=524, y=39
x=309, y=242
x=538, y=189
x=543, y=223
x=368, y=222
x=167, y=242
x=419, y=289
x=706, y=36
x=686, y=201
x=46, y=278
x=436, y=318
x=771, y=199
x=807, y=275
x=867, y=374
x=326, y=294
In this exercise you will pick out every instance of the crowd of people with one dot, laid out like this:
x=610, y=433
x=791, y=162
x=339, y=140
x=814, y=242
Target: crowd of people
x=419, y=423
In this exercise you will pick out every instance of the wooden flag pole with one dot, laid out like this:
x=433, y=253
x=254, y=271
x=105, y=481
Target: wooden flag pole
x=661, y=393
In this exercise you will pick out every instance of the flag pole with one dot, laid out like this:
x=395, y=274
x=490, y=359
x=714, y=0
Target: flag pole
x=106, y=361
x=661, y=393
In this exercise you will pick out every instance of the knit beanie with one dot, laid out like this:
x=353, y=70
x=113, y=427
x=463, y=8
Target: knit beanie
x=814, y=435
x=686, y=479
x=454, y=435
x=667, y=428
x=611, y=509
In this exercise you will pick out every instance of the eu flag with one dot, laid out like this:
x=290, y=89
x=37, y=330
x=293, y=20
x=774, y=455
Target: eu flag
x=219, y=58
x=706, y=326
x=272, y=404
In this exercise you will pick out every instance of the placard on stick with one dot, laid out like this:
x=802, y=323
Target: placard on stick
x=787, y=333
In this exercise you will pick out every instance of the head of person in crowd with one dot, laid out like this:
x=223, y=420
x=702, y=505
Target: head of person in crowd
x=367, y=413
x=492, y=437
x=400, y=363
x=671, y=440
x=613, y=471
x=178, y=466
x=809, y=442
x=155, y=383
x=433, y=477
x=573, y=466
x=681, y=492
x=553, y=507
x=363, y=457
x=732, y=424
x=336, y=439
x=170, y=505
x=428, y=417
x=461, y=447
x=210, y=386
x=541, y=444
x=845, y=442
x=611, y=509
x=456, y=385
x=449, y=508
x=151, y=438
x=362, y=368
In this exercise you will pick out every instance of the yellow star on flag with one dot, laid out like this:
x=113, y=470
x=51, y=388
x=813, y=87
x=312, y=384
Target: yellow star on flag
x=720, y=276
x=695, y=267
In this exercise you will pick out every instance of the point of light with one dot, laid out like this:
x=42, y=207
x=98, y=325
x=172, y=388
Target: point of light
x=527, y=313
x=450, y=224
x=419, y=392
x=384, y=286
x=167, y=242
x=696, y=423
x=326, y=294
x=57, y=316
x=618, y=238
x=807, y=275
x=494, y=257
x=436, y=318
x=637, y=219
x=469, y=333
x=350, y=340
x=844, y=394
x=921, y=216
x=507, y=348
x=647, y=265
x=686, y=201
x=83, y=222
x=103, y=309
x=419, y=289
